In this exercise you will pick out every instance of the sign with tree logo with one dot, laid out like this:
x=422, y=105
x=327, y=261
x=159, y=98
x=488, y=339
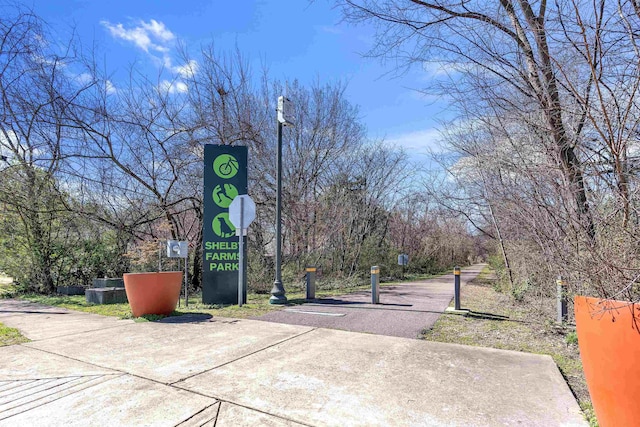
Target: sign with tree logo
x=225, y=177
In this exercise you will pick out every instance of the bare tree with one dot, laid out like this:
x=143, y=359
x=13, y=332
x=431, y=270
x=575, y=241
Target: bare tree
x=545, y=150
x=36, y=95
x=504, y=49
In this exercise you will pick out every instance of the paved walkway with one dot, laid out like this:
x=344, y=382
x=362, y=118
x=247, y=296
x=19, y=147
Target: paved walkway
x=88, y=370
x=404, y=311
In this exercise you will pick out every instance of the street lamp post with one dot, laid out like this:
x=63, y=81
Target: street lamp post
x=277, y=292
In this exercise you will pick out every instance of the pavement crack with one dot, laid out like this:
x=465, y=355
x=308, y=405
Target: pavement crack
x=202, y=417
x=215, y=422
x=229, y=402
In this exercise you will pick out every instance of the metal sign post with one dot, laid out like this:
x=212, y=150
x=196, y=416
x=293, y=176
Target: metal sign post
x=186, y=282
x=242, y=212
x=285, y=118
x=241, y=255
x=403, y=259
x=178, y=249
x=562, y=300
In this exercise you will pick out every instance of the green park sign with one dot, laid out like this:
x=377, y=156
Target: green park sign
x=225, y=177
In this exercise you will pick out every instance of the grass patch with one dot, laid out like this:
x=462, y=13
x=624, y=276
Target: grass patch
x=151, y=317
x=79, y=303
x=256, y=305
x=497, y=321
x=10, y=336
x=589, y=413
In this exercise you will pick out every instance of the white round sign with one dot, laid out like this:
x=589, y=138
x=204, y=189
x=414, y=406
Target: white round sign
x=242, y=208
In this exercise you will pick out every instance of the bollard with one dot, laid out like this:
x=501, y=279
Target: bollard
x=311, y=283
x=456, y=284
x=375, y=285
x=562, y=300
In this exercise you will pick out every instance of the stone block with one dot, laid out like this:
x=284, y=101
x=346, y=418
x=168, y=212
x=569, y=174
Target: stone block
x=108, y=283
x=106, y=295
x=70, y=290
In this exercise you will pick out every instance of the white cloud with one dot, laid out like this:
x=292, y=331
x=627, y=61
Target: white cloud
x=633, y=148
x=154, y=38
x=84, y=78
x=51, y=61
x=417, y=141
x=187, y=70
x=439, y=69
x=14, y=146
x=173, y=87
x=8, y=142
x=110, y=87
x=158, y=29
x=152, y=35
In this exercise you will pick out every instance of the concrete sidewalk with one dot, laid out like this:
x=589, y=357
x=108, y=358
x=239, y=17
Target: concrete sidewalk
x=405, y=309
x=89, y=370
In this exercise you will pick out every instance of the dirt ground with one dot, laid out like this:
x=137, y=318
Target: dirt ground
x=499, y=321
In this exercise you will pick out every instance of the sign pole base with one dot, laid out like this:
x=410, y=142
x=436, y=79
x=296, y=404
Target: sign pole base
x=277, y=294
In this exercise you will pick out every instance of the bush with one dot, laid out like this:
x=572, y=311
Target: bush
x=77, y=252
x=519, y=290
x=572, y=338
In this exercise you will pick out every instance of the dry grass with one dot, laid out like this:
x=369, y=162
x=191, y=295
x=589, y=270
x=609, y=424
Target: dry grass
x=497, y=321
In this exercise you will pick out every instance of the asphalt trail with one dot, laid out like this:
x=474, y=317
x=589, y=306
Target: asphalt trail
x=404, y=310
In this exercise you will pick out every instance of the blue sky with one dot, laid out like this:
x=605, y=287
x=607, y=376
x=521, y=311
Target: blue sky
x=294, y=39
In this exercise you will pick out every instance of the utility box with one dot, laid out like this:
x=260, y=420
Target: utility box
x=285, y=111
x=177, y=249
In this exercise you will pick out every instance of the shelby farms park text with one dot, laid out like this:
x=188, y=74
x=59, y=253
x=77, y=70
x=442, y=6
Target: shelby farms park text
x=221, y=256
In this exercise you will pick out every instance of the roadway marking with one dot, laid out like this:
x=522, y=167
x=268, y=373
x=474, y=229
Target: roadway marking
x=317, y=313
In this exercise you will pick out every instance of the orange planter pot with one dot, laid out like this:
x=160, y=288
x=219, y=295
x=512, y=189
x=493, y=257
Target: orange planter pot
x=153, y=293
x=609, y=342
